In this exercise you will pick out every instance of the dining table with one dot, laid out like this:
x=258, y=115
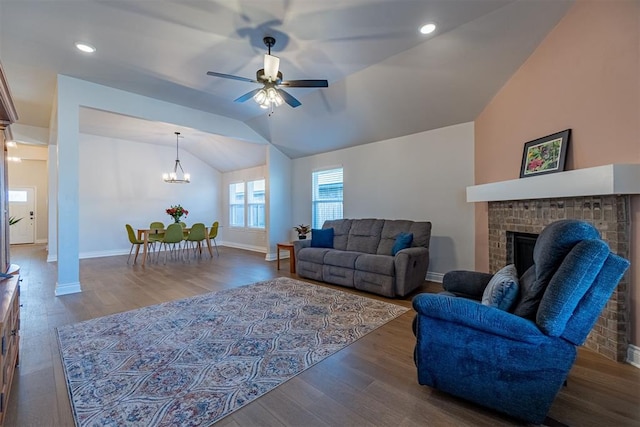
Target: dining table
x=143, y=234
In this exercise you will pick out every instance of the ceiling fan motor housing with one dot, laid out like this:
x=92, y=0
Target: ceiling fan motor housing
x=262, y=78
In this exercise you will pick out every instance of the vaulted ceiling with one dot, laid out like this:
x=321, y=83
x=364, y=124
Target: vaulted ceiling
x=385, y=78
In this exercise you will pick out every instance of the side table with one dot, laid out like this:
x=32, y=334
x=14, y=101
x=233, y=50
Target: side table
x=292, y=256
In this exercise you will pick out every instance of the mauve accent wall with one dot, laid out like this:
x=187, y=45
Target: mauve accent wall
x=583, y=76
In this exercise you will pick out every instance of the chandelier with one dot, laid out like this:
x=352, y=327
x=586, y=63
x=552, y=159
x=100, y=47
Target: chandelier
x=172, y=177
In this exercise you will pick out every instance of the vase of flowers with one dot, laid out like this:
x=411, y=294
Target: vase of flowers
x=176, y=212
x=302, y=230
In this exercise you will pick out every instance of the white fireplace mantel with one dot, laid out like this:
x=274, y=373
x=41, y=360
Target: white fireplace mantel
x=595, y=181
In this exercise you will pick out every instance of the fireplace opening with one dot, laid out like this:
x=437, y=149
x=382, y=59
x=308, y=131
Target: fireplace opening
x=522, y=250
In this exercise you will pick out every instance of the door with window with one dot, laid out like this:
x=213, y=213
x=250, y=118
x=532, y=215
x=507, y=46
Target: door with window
x=22, y=215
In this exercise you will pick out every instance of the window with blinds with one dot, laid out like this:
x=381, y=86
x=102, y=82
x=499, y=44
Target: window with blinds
x=246, y=204
x=236, y=204
x=327, y=196
x=247, y=197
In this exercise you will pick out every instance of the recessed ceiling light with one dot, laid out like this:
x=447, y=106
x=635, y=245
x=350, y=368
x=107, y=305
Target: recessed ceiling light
x=84, y=47
x=428, y=28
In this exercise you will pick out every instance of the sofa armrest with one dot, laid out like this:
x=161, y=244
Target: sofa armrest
x=467, y=284
x=411, y=266
x=299, y=244
x=474, y=315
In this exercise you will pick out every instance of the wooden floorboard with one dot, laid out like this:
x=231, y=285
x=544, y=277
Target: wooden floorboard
x=370, y=383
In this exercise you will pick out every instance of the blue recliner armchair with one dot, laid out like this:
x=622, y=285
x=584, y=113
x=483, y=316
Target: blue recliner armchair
x=509, y=362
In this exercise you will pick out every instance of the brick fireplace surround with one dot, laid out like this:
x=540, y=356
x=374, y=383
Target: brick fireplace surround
x=600, y=196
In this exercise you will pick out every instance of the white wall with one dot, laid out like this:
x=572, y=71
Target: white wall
x=240, y=237
x=278, y=200
x=125, y=186
x=418, y=177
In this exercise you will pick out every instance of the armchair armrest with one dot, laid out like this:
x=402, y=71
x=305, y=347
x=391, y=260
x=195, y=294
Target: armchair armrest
x=474, y=315
x=467, y=284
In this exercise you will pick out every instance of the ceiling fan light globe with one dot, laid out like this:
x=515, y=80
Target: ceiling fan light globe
x=260, y=97
x=272, y=94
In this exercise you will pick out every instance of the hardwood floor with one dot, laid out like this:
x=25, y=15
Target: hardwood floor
x=371, y=382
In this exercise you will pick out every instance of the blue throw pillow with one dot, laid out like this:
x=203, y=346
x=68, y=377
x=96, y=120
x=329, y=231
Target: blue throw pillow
x=502, y=290
x=322, y=238
x=403, y=241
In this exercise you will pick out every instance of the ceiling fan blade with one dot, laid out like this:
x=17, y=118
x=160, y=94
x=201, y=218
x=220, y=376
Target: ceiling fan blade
x=229, y=76
x=271, y=65
x=289, y=99
x=305, y=83
x=247, y=95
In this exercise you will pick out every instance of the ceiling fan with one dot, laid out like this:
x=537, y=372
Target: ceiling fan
x=271, y=94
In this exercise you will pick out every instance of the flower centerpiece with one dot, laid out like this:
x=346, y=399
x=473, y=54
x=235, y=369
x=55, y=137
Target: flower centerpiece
x=176, y=212
x=302, y=230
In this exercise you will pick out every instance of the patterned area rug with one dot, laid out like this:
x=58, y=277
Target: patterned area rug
x=196, y=360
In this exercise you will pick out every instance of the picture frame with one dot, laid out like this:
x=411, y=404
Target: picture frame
x=545, y=155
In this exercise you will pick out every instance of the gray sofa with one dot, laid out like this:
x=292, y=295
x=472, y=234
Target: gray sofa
x=362, y=258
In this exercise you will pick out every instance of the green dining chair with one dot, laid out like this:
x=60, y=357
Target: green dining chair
x=171, y=241
x=156, y=232
x=184, y=225
x=196, y=236
x=213, y=233
x=134, y=241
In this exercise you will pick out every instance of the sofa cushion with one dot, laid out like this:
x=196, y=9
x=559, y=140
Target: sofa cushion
x=502, y=290
x=364, y=235
x=315, y=255
x=390, y=231
x=380, y=264
x=341, y=258
x=322, y=238
x=341, y=229
x=403, y=241
x=421, y=231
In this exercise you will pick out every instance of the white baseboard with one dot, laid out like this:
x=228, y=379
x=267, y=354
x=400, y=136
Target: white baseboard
x=633, y=355
x=67, y=288
x=434, y=277
x=251, y=248
x=100, y=254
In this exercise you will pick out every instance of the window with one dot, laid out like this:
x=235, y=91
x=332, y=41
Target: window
x=236, y=204
x=17, y=196
x=327, y=196
x=252, y=204
x=255, y=204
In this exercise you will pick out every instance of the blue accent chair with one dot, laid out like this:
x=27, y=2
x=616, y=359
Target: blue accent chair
x=514, y=364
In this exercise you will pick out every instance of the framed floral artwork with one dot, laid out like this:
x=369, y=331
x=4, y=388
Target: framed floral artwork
x=545, y=155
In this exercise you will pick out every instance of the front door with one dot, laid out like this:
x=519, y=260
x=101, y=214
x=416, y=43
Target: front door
x=22, y=208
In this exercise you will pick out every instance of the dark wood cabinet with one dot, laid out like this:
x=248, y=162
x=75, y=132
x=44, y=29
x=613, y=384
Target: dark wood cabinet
x=9, y=337
x=9, y=288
